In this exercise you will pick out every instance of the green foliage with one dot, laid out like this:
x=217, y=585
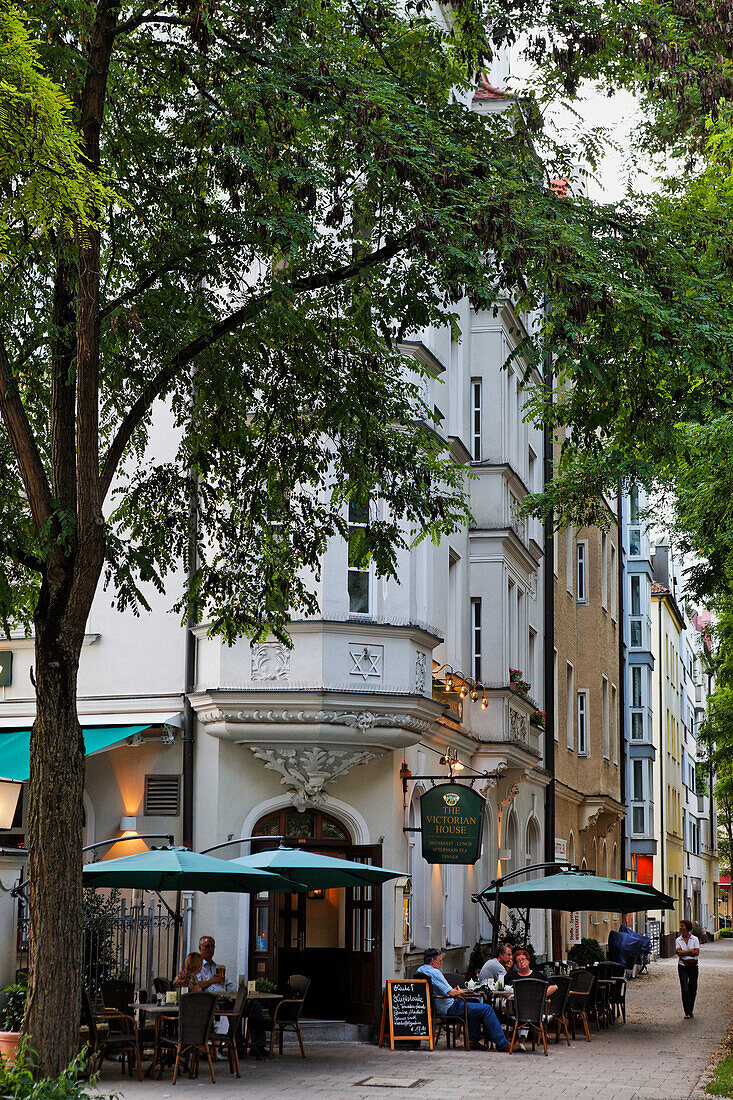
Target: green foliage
x=100, y=960
x=516, y=933
x=264, y=985
x=45, y=181
x=18, y=1081
x=477, y=958
x=726, y=933
x=586, y=952
x=15, y=996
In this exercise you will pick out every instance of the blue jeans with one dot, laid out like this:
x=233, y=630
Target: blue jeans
x=481, y=1018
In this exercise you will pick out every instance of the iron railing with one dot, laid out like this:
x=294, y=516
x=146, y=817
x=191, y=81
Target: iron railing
x=134, y=942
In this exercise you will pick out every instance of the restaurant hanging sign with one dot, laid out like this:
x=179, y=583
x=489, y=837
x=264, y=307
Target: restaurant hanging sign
x=452, y=819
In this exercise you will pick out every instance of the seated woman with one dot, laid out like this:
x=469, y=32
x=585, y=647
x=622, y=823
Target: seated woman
x=187, y=977
x=522, y=968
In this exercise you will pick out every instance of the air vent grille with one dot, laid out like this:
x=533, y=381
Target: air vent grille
x=162, y=795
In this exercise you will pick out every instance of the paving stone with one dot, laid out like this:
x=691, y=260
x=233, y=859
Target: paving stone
x=656, y=1055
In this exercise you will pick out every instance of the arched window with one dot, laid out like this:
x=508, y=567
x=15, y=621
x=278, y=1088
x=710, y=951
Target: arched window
x=309, y=825
x=421, y=872
x=509, y=840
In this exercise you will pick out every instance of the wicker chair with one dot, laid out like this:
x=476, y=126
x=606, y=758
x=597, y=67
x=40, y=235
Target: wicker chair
x=229, y=1041
x=286, y=1017
x=453, y=1025
x=614, y=972
x=529, y=1010
x=123, y=1041
x=581, y=983
x=195, y=1015
x=557, y=1006
x=162, y=985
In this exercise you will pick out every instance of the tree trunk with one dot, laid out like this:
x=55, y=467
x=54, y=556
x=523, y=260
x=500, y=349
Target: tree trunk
x=55, y=816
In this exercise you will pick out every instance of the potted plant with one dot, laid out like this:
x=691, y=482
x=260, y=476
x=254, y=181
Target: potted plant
x=516, y=682
x=11, y=1019
x=537, y=718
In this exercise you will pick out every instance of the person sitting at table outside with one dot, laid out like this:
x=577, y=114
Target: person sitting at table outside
x=497, y=968
x=187, y=978
x=209, y=981
x=522, y=968
x=449, y=1001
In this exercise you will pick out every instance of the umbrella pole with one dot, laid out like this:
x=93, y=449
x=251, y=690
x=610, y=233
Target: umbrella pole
x=177, y=921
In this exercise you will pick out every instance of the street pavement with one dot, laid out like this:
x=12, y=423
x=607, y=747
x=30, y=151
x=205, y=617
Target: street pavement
x=656, y=1055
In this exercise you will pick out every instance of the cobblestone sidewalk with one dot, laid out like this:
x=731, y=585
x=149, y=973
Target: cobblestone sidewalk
x=657, y=1055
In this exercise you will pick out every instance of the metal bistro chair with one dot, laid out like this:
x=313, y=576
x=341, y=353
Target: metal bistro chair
x=125, y=1042
x=581, y=983
x=615, y=973
x=557, y=1006
x=195, y=1015
x=529, y=1010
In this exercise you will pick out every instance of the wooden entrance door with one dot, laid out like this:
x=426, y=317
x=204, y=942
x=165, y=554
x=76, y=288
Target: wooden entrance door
x=364, y=941
x=346, y=982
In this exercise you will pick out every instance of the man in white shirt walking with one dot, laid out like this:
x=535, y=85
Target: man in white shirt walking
x=687, y=947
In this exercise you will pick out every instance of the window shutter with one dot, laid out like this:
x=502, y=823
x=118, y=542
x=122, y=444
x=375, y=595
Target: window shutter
x=162, y=795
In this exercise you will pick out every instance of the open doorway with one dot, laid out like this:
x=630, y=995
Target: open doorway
x=331, y=936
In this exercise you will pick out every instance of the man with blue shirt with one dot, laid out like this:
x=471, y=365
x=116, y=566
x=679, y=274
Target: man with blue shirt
x=450, y=1002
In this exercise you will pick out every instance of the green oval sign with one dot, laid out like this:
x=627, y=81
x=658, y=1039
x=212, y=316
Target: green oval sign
x=452, y=819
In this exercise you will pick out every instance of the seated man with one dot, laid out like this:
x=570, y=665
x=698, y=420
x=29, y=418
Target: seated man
x=497, y=968
x=208, y=981
x=450, y=1002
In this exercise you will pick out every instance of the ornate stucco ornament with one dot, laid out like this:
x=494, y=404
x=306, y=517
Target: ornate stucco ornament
x=306, y=771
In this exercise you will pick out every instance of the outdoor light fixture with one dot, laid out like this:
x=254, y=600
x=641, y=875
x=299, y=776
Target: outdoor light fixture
x=451, y=761
x=128, y=824
x=9, y=795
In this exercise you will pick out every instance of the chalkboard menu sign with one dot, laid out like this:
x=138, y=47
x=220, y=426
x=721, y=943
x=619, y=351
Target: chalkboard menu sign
x=451, y=817
x=406, y=1011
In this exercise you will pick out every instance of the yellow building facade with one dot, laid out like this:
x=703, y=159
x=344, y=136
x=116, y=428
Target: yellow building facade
x=588, y=805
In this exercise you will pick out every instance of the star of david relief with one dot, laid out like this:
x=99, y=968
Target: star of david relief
x=366, y=661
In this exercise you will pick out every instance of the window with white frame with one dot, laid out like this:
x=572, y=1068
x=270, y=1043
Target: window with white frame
x=636, y=630
x=569, y=559
x=641, y=822
x=476, y=638
x=605, y=719
x=604, y=570
x=569, y=709
x=614, y=723
x=476, y=418
x=531, y=661
x=582, y=706
x=359, y=578
x=581, y=570
x=634, y=525
x=613, y=578
x=556, y=709
x=637, y=703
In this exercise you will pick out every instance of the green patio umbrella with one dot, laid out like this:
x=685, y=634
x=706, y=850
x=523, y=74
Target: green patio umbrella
x=316, y=871
x=577, y=890
x=652, y=891
x=182, y=869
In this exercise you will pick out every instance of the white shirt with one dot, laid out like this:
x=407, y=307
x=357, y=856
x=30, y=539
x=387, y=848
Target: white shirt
x=692, y=942
x=207, y=971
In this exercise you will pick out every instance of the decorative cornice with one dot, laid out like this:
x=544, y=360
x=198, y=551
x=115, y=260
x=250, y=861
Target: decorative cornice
x=362, y=720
